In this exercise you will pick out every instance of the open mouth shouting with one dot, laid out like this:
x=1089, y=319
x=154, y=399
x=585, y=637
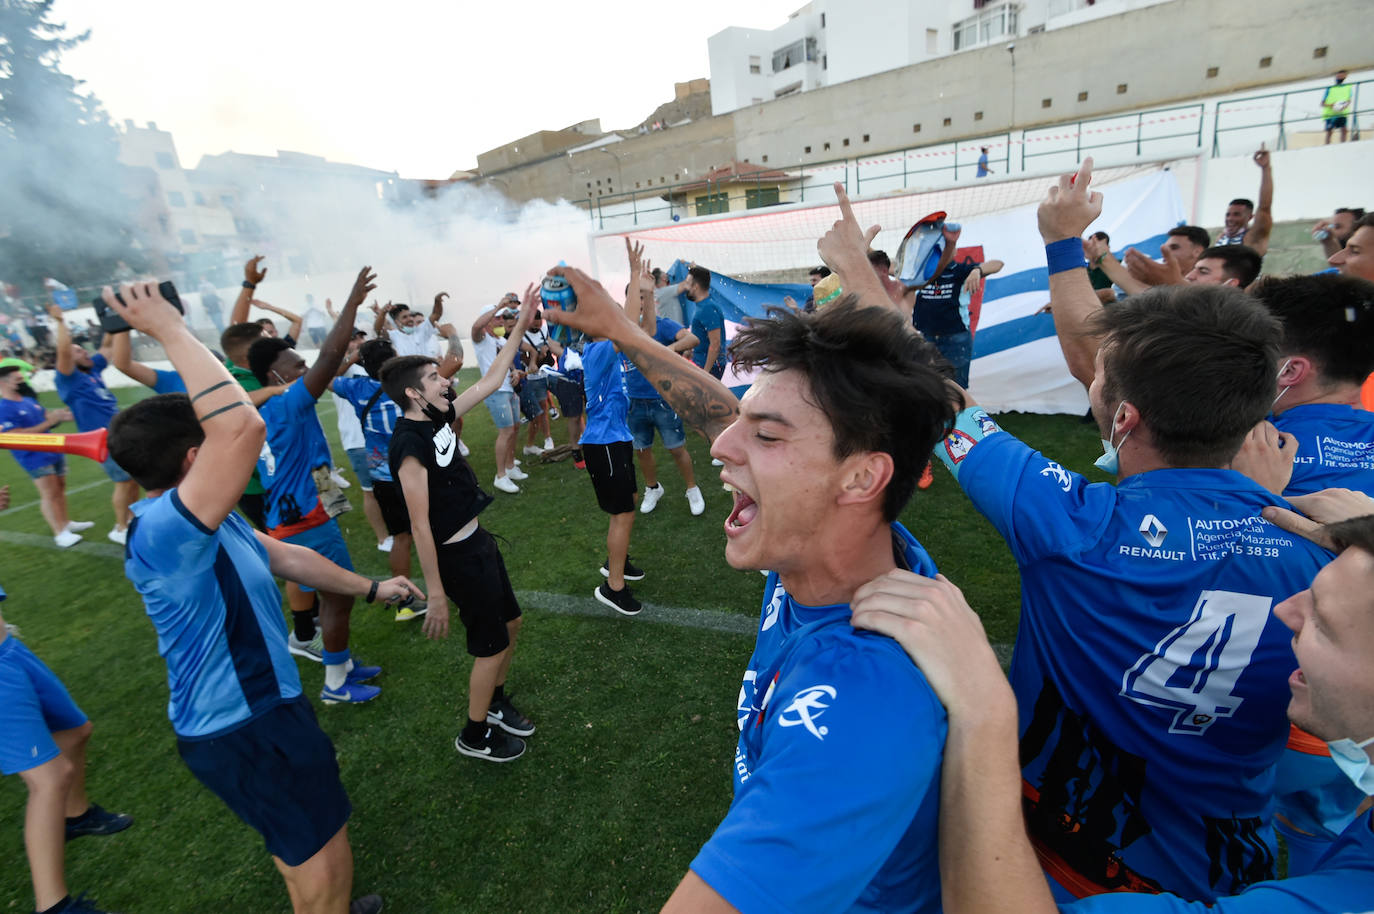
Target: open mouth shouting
x=745, y=510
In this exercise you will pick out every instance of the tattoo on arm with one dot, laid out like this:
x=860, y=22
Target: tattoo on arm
x=698, y=398
x=223, y=409
x=210, y=389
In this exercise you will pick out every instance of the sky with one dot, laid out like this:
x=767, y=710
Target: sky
x=415, y=86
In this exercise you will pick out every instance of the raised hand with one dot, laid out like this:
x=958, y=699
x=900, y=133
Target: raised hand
x=364, y=284
x=1266, y=456
x=1262, y=157
x=597, y=314
x=251, y=272
x=144, y=309
x=846, y=245
x=1095, y=248
x=528, y=305
x=439, y=299
x=1069, y=207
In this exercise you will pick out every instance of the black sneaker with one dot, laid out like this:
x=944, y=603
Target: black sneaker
x=368, y=904
x=503, y=714
x=495, y=746
x=622, y=601
x=632, y=571
x=97, y=821
x=83, y=905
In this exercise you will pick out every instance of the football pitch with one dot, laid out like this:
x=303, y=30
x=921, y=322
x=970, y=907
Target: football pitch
x=628, y=773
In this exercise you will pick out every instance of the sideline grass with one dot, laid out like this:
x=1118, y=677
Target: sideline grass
x=628, y=774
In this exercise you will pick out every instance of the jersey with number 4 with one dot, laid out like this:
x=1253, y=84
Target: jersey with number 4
x=837, y=768
x=1150, y=671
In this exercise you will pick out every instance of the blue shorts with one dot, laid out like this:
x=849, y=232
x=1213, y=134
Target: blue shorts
x=114, y=470
x=57, y=468
x=279, y=774
x=646, y=415
x=1335, y=123
x=571, y=397
x=357, y=458
x=34, y=704
x=326, y=539
x=502, y=406
x=532, y=394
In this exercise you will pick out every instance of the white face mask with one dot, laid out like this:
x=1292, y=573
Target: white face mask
x=1284, y=390
x=1110, y=461
x=1354, y=762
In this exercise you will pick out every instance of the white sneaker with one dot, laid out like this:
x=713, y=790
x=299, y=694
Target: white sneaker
x=463, y=448
x=516, y=461
x=517, y=474
x=533, y=450
x=505, y=485
x=385, y=545
x=119, y=535
x=696, y=501
x=651, y=497
x=554, y=413
x=339, y=481
x=66, y=539
x=76, y=526
x=717, y=463
x=548, y=444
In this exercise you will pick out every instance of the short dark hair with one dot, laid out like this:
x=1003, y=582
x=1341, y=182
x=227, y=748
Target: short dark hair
x=1193, y=233
x=821, y=271
x=701, y=276
x=263, y=321
x=236, y=336
x=401, y=372
x=880, y=259
x=1199, y=362
x=1238, y=261
x=1365, y=221
x=1355, y=211
x=1327, y=317
x=874, y=378
x=1241, y=201
x=1102, y=236
x=373, y=354
x=1353, y=533
x=263, y=354
x=149, y=439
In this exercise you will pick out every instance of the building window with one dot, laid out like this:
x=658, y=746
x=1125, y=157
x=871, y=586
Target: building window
x=711, y=204
x=932, y=41
x=754, y=197
x=755, y=65
x=865, y=138
x=1046, y=102
x=1212, y=72
x=792, y=89
x=822, y=20
x=187, y=236
x=846, y=142
x=758, y=101
x=1266, y=62
x=977, y=115
x=989, y=25
x=175, y=198
x=199, y=198
x=827, y=147
x=1083, y=96
x=800, y=51
x=948, y=122
x=807, y=150
x=915, y=128
x=1120, y=88
x=164, y=160
x=765, y=159
x=1318, y=53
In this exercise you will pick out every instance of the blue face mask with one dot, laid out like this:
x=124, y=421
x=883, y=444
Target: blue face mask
x=1110, y=461
x=1353, y=761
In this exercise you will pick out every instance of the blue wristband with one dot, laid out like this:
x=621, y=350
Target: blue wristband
x=1066, y=254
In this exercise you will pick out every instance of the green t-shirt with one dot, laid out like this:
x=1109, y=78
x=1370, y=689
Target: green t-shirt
x=248, y=382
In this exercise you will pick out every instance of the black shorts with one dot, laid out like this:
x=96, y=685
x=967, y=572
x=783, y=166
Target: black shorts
x=393, y=504
x=572, y=399
x=254, y=507
x=278, y=773
x=474, y=577
x=612, y=468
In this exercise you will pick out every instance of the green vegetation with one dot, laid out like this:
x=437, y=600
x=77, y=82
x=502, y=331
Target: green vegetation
x=628, y=774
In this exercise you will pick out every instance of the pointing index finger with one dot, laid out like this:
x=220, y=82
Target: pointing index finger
x=846, y=210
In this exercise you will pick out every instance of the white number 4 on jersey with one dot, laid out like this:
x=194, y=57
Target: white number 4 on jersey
x=1193, y=669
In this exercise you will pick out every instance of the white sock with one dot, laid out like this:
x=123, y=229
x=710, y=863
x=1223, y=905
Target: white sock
x=335, y=674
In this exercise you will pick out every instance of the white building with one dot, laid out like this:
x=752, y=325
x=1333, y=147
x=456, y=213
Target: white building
x=828, y=41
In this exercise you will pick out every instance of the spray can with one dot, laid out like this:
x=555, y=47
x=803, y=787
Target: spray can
x=557, y=292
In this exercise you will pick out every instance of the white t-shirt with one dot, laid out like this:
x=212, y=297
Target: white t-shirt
x=487, y=349
x=419, y=341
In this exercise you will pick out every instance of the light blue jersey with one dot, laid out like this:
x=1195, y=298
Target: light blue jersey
x=378, y=425
x=837, y=769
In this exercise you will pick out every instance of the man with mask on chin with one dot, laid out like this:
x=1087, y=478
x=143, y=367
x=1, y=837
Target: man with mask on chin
x=459, y=558
x=1149, y=668
x=294, y=467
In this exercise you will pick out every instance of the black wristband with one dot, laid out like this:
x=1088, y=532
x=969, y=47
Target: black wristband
x=371, y=593
x=249, y=285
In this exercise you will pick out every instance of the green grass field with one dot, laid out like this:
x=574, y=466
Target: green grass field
x=628, y=774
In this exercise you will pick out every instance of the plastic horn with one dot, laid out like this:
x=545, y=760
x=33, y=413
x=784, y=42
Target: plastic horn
x=82, y=444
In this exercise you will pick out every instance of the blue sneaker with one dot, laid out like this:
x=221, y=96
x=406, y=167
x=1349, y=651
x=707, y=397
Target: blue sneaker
x=97, y=820
x=82, y=905
x=351, y=693
x=361, y=673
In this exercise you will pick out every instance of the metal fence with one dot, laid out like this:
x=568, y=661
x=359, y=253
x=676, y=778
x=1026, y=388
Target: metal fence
x=1246, y=122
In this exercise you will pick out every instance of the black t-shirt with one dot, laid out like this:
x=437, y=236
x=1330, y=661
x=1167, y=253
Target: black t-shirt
x=454, y=496
x=937, y=310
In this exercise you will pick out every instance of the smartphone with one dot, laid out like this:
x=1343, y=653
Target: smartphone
x=112, y=322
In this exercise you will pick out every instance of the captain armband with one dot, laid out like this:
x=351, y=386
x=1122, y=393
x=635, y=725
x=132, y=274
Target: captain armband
x=971, y=425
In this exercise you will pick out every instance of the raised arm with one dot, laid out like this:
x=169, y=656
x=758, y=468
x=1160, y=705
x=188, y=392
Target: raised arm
x=66, y=362
x=1066, y=212
x=378, y=323
x=234, y=432
x=1263, y=221
x=489, y=382
x=437, y=312
x=844, y=249
x=293, y=329
x=699, y=399
x=121, y=357
x=479, y=326
x=1106, y=261
x=252, y=275
x=319, y=376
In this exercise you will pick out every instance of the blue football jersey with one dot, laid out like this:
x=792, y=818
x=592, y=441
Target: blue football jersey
x=1335, y=447
x=378, y=425
x=291, y=452
x=1150, y=671
x=1342, y=883
x=215, y=605
x=837, y=768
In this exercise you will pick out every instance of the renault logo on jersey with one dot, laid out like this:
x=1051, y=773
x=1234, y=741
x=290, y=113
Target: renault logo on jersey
x=1153, y=531
x=806, y=708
